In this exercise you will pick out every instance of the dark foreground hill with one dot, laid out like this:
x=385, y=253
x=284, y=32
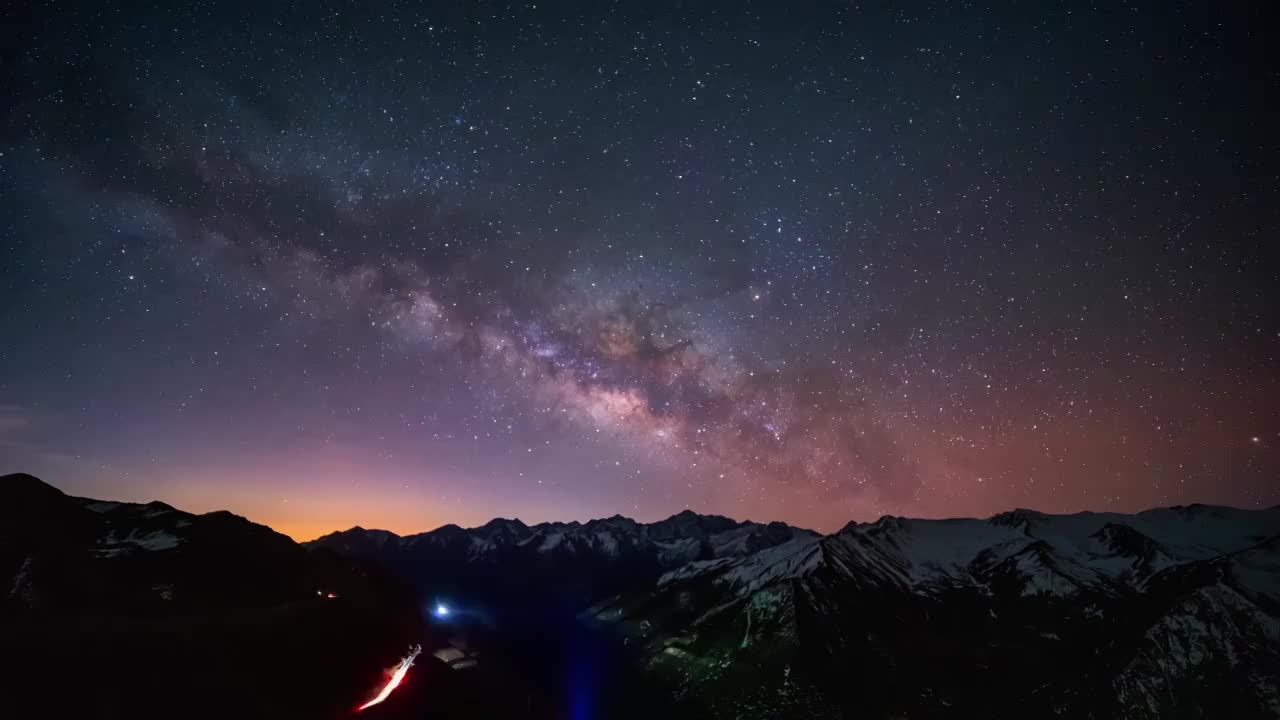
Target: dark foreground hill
x=116, y=610
x=1173, y=612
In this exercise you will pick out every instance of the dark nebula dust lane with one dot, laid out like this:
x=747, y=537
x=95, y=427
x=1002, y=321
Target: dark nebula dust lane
x=331, y=265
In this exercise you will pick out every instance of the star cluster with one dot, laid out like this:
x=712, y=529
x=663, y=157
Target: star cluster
x=402, y=265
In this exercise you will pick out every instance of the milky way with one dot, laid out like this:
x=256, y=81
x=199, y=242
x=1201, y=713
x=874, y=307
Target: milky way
x=814, y=262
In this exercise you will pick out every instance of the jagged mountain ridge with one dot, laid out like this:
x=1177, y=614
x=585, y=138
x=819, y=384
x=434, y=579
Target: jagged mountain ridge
x=1036, y=551
x=588, y=558
x=677, y=535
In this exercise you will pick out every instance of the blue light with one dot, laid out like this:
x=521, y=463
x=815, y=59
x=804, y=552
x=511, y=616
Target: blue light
x=441, y=610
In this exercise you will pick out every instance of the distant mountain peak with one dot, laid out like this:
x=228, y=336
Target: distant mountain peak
x=22, y=477
x=28, y=505
x=28, y=486
x=613, y=521
x=499, y=522
x=1017, y=517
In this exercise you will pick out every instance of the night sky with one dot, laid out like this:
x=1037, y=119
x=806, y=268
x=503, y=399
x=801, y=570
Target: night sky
x=403, y=264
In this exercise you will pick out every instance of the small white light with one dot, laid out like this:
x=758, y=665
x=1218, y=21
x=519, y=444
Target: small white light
x=442, y=610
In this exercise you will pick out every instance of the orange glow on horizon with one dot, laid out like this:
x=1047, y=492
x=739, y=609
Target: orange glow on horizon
x=308, y=499
x=311, y=498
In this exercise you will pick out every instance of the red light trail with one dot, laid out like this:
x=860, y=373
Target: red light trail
x=397, y=676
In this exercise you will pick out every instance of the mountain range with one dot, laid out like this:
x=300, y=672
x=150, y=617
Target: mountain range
x=565, y=563
x=150, y=611
x=1172, y=612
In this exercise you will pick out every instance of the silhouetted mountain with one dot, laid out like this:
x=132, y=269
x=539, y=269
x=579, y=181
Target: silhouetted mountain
x=147, y=611
x=565, y=563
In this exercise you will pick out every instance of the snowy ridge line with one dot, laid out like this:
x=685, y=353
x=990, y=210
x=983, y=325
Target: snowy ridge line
x=1045, y=554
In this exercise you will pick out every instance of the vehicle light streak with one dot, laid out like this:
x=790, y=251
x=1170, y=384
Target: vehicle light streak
x=397, y=676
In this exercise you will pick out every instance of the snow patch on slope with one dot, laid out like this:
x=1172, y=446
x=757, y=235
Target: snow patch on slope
x=551, y=541
x=943, y=549
x=21, y=588
x=747, y=575
x=154, y=540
